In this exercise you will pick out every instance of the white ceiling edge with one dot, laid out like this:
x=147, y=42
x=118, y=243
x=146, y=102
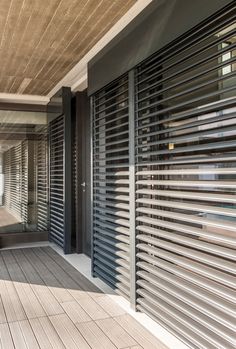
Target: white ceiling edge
x=77, y=76
x=23, y=99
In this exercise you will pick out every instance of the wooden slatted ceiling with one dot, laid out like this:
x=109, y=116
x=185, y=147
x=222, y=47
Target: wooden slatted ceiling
x=41, y=40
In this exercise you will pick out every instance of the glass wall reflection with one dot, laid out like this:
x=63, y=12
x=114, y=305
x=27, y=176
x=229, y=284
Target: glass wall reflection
x=23, y=171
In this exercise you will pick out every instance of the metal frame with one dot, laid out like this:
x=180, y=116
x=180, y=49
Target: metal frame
x=91, y=202
x=66, y=97
x=133, y=264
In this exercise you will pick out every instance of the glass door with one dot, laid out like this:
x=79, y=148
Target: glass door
x=23, y=172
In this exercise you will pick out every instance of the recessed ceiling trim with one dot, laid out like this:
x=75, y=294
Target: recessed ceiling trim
x=77, y=77
x=23, y=99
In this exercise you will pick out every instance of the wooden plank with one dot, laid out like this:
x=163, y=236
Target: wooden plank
x=22, y=335
x=20, y=30
x=95, y=337
x=5, y=337
x=13, y=308
x=3, y=318
x=68, y=333
x=30, y=38
x=46, y=298
x=75, y=312
x=94, y=310
x=80, y=279
x=45, y=334
x=63, y=277
x=8, y=33
x=117, y=334
x=52, y=33
x=17, y=336
x=137, y=331
x=40, y=335
x=110, y=306
x=11, y=302
x=61, y=294
x=27, y=297
x=29, y=337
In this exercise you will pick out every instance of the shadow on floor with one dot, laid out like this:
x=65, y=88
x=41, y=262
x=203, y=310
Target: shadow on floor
x=44, y=267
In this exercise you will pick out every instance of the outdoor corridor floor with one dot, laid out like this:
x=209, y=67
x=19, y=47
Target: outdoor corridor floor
x=46, y=303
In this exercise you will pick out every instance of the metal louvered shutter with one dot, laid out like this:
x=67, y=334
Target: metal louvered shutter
x=7, y=179
x=42, y=181
x=15, y=185
x=111, y=201
x=24, y=181
x=186, y=185
x=56, y=210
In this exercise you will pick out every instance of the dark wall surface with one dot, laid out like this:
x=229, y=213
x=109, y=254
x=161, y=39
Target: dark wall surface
x=159, y=24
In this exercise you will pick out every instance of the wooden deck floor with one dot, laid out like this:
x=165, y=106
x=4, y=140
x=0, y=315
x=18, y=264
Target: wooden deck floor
x=46, y=303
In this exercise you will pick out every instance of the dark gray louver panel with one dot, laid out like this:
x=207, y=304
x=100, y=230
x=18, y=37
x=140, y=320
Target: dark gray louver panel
x=111, y=185
x=7, y=179
x=56, y=211
x=42, y=182
x=186, y=185
x=24, y=181
x=15, y=185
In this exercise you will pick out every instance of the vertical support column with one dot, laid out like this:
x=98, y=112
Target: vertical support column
x=91, y=196
x=132, y=190
x=83, y=177
x=66, y=97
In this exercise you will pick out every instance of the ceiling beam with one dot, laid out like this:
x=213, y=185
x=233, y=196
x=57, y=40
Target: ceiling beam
x=23, y=107
x=23, y=99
